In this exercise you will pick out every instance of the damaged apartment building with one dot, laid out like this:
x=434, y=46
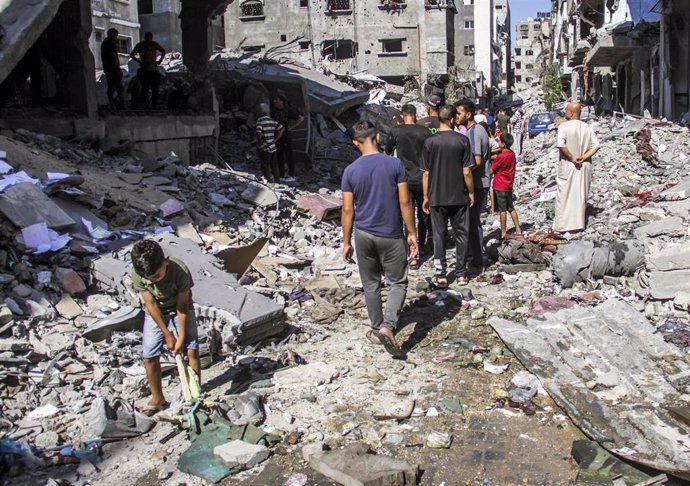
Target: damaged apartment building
x=395, y=40
x=626, y=55
x=532, y=42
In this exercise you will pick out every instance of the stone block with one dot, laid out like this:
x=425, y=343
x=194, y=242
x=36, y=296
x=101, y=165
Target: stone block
x=240, y=454
x=70, y=281
x=124, y=320
x=312, y=374
x=672, y=226
x=25, y=204
x=259, y=195
x=5, y=315
x=68, y=308
x=678, y=192
x=353, y=466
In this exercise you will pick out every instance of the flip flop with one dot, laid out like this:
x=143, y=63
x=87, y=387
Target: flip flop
x=413, y=264
x=391, y=347
x=441, y=282
x=151, y=410
x=371, y=336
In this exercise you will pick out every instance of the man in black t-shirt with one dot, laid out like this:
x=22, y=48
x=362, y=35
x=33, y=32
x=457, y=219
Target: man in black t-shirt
x=448, y=193
x=430, y=121
x=111, y=67
x=408, y=140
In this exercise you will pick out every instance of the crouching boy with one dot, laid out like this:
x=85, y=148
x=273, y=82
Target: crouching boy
x=165, y=285
x=503, y=170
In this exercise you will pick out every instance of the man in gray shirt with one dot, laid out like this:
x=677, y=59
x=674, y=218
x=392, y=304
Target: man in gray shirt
x=481, y=151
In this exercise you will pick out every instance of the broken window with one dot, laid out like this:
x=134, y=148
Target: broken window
x=439, y=3
x=392, y=4
x=338, y=5
x=529, y=66
x=518, y=79
x=468, y=50
x=469, y=2
x=303, y=3
x=304, y=45
x=252, y=10
x=392, y=46
x=529, y=52
x=518, y=51
x=123, y=44
x=469, y=24
x=518, y=65
x=339, y=49
x=145, y=7
x=253, y=48
x=98, y=34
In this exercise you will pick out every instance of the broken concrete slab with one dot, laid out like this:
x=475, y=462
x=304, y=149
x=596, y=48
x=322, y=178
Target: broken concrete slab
x=67, y=307
x=309, y=375
x=678, y=192
x=259, y=195
x=354, y=466
x=664, y=285
x=241, y=455
x=25, y=204
x=671, y=258
x=123, y=320
x=321, y=206
x=70, y=281
x=672, y=226
x=605, y=366
x=234, y=314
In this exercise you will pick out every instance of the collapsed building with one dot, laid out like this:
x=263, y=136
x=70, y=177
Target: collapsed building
x=628, y=56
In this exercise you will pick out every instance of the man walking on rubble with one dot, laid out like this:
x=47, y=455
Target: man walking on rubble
x=376, y=202
x=113, y=72
x=448, y=193
x=148, y=73
x=577, y=144
x=408, y=140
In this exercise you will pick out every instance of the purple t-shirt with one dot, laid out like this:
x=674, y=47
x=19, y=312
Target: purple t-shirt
x=374, y=179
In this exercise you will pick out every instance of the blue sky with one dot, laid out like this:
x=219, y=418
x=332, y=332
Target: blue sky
x=523, y=9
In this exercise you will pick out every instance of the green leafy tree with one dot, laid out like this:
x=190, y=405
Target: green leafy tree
x=551, y=82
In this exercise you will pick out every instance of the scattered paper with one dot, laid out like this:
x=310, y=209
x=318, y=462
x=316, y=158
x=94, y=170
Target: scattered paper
x=42, y=412
x=5, y=167
x=171, y=207
x=494, y=369
x=547, y=196
x=18, y=178
x=39, y=238
x=98, y=233
x=53, y=177
x=165, y=229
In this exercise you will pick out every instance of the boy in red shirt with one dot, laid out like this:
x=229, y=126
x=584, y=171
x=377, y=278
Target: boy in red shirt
x=503, y=170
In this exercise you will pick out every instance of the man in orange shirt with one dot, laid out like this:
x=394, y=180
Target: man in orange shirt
x=148, y=73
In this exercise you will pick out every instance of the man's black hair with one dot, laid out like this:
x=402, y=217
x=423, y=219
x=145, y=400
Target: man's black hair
x=147, y=257
x=447, y=114
x=467, y=105
x=507, y=139
x=408, y=110
x=113, y=31
x=148, y=36
x=363, y=130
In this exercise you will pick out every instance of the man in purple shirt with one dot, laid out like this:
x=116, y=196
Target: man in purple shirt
x=376, y=201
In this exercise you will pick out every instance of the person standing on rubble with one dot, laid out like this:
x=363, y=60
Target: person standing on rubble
x=148, y=72
x=376, y=202
x=448, y=193
x=164, y=284
x=430, y=121
x=289, y=118
x=481, y=175
x=408, y=140
x=577, y=143
x=113, y=72
x=502, y=121
x=515, y=128
x=268, y=133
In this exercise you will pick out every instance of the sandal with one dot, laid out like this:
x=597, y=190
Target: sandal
x=151, y=410
x=441, y=282
x=389, y=343
x=413, y=264
x=373, y=339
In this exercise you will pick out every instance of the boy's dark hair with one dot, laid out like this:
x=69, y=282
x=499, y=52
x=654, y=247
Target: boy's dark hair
x=147, y=257
x=468, y=105
x=446, y=114
x=507, y=139
x=408, y=110
x=363, y=130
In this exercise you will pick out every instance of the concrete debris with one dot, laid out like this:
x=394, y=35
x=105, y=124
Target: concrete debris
x=322, y=207
x=672, y=226
x=310, y=375
x=13, y=204
x=241, y=455
x=581, y=261
x=125, y=319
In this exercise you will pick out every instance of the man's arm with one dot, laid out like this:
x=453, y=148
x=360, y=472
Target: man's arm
x=296, y=122
x=568, y=154
x=589, y=154
x=407, y=212
x=154, y=311
x=183, y=299
x=469, y=183
x=347, y=221
x=134, y=53
x=160, y=49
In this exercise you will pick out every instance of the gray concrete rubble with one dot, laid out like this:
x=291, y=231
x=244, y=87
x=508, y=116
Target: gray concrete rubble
x=231, y=314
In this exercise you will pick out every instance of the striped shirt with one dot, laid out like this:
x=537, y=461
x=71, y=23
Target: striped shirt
x=266, y=129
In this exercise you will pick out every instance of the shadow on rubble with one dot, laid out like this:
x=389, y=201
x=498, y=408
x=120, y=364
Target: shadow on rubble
x=425, y=314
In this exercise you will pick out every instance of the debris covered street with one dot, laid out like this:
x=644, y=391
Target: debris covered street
x=563, y=361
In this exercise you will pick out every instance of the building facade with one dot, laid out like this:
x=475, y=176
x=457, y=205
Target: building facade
x=503, y=39
x=391, y=39
x=630, y=56
x=532, y=45
x=121, y=15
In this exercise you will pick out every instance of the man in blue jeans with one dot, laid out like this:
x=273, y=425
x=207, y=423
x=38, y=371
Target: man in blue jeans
x=165, y=286
x=376, y=201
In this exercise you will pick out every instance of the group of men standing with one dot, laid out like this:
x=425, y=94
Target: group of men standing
x=442, y=173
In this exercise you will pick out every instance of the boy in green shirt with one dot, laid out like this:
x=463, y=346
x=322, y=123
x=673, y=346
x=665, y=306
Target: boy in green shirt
x=165, y=286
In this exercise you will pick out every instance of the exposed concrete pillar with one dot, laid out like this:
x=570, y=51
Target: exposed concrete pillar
x=68, y=39
x=196, y=18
